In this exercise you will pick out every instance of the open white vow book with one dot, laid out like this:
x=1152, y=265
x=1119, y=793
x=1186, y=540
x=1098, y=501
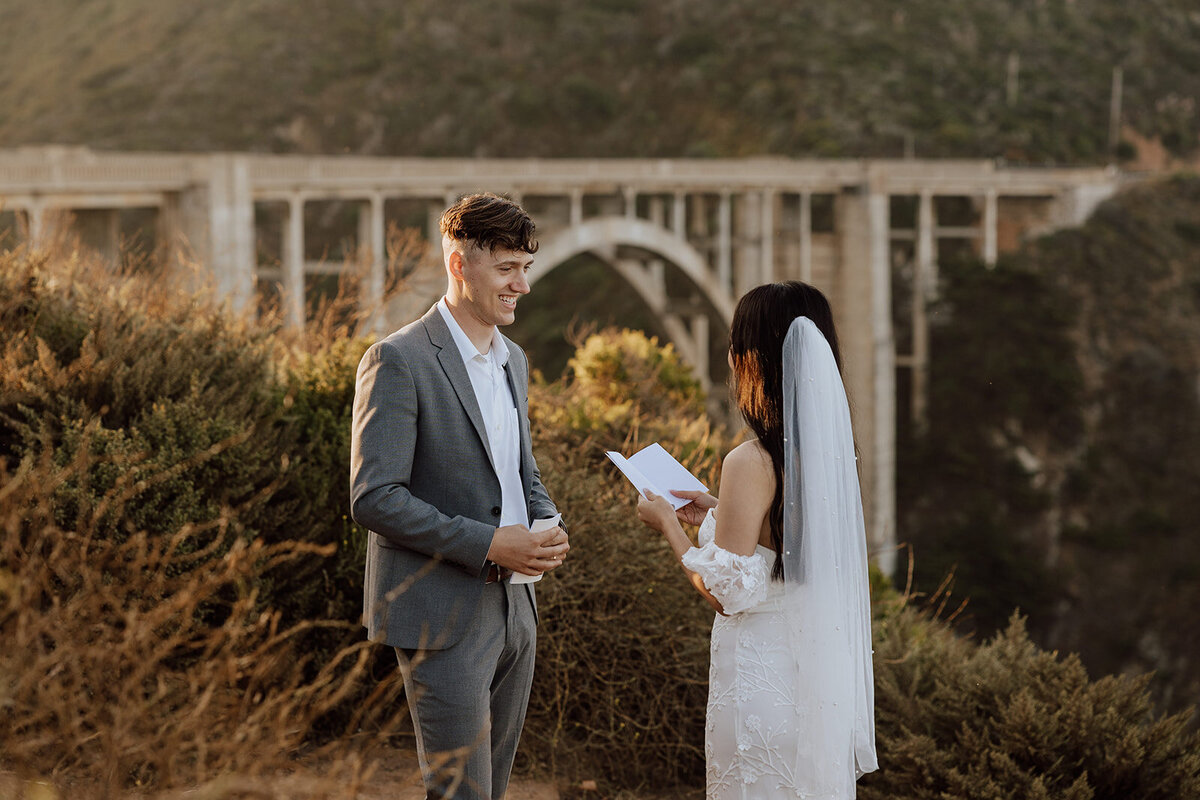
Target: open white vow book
x=655, y=469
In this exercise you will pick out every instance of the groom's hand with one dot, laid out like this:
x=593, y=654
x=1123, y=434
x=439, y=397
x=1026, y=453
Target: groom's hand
x=519, y=549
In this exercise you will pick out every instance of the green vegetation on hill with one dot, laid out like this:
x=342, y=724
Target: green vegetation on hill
x=1003, y=374
x=603, y=77
x=1060, y=466
x=1130, y=501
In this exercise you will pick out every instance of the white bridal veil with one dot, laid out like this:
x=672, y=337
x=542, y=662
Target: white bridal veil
x=825, y=571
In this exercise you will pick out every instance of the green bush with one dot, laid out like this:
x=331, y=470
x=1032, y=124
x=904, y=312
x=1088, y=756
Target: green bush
x=622, y=384
x=1009, y=720
x=186, y=395
x=318, y=406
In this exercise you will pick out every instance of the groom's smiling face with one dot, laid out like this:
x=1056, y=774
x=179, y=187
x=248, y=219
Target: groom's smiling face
x=493, y=282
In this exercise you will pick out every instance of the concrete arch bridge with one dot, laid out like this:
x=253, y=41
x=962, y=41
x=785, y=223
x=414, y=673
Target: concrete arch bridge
x=870, y=234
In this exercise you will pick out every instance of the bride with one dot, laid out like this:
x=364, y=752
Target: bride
x=783, y=561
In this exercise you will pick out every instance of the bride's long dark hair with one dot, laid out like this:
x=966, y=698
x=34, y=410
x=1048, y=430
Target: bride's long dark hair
x=760, y=324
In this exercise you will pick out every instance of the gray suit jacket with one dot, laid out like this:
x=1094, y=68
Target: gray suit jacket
x=422, y=483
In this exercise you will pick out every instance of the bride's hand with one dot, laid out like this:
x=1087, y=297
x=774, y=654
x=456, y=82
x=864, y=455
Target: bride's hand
x=654, y=511
x=694, y=512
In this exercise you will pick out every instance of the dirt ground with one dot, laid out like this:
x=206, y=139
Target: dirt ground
x=401, y=780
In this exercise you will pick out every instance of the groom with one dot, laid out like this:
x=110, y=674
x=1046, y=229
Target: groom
x=443, y=476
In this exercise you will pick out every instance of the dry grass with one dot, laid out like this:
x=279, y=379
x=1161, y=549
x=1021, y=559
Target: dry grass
x=151, y=663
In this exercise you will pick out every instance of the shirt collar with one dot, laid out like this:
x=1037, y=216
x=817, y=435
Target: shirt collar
x=466, y=348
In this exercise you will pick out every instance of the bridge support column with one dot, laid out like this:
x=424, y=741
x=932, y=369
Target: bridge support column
x=169, y=232
x=700, y=334
x=882, y=532
x=33, y=223
x=293, y=262
x=576, y=213
x=231, y=229
x=433, y=230
x=864, y=283
x=766, y=234
x=690, y=336
x=42, y=223
x=111, y=225
x=183, y=230
x=924, y=288
x=806, y=266
x=656, y=268
x=725, y=243
x=657, y=210
x=748, y=269
x=989, y=227
x=371, y=256
x=99, y=229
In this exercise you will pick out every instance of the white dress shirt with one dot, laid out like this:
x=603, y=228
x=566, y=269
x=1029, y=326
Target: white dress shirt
x=499, y=410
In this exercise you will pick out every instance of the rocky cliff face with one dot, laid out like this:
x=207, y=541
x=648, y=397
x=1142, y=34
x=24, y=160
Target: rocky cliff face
x=1128, y=512
x=1060, y=471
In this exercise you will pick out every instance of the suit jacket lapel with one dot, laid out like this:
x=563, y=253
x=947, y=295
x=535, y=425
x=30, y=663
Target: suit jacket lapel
x=456, y=372
x=517, y=381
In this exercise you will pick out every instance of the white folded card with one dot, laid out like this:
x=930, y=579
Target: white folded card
x=538, y=525
x=655, y=469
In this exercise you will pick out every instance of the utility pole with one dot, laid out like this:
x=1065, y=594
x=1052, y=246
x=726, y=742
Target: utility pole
x=1114, y=109
x=1014, y=71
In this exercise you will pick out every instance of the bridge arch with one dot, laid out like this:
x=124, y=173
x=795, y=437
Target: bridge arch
x=601, y=234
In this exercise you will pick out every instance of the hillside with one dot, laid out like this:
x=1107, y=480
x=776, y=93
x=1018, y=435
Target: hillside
x=1130, y=500
x=1024, y=80
x=1060, y=469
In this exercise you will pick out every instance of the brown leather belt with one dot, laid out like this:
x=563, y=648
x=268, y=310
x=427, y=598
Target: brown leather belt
x=493, y=574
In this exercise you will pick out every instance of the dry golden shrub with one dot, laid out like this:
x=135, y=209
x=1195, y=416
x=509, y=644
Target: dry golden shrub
x=150, y=662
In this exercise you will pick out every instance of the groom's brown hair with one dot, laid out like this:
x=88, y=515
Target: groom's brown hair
x=489, y=221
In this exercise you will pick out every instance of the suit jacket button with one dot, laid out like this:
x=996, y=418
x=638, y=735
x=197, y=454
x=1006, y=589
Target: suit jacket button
x=495, y=511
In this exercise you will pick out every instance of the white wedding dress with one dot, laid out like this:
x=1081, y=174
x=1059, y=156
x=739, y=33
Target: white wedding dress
x=754, y=704
x=750, y=731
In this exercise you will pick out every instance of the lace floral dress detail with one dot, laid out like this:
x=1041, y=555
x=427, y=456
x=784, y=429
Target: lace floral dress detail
x=750, y=736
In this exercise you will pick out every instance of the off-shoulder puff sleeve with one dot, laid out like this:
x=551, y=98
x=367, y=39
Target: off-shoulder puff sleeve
x=737, y=582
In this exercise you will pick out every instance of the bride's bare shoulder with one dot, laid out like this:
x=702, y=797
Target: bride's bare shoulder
x=747, y=477
x=749, y=457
